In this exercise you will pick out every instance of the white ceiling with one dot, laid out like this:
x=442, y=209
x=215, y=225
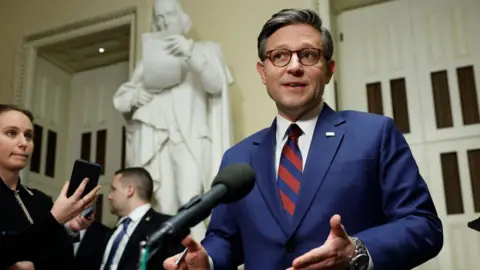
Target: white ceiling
x=82, y=53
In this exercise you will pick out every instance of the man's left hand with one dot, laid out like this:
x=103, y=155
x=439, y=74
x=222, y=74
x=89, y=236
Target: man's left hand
x=334, y=254
x=80, y=222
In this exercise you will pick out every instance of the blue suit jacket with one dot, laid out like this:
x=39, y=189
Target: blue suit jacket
x=365, y=173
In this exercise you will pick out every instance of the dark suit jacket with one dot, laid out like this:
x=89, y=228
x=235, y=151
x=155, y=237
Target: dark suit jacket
x=49, y=245
x=92, y=246
x=362, y=170
x=25, y=244
x=150, y=223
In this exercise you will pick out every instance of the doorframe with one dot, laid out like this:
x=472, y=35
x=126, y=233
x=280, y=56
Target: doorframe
x=25, y=73
x=27, y=58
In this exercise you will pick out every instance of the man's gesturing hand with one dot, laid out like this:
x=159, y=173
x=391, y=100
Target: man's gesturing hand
x=335, y=253
x=195, y=259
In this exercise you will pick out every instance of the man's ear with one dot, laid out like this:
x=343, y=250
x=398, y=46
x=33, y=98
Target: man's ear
x=331, y=66
x=261, y=71
x=130, y=190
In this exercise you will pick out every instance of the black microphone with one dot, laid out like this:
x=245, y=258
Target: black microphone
x=230, y=185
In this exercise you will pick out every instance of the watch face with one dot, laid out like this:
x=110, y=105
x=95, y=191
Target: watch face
x=361, y=262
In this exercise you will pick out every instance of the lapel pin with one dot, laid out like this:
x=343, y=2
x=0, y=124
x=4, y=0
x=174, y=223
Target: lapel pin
x=330, y=134
x=147, y=219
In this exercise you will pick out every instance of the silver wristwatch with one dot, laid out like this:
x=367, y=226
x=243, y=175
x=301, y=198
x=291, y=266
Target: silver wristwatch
x=360, y=260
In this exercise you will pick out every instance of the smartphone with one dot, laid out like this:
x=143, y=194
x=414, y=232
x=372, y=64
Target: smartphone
x=84, y=169
x=87, y=212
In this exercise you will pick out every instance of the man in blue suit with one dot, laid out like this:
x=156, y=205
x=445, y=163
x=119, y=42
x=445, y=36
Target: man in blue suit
x=334, y=190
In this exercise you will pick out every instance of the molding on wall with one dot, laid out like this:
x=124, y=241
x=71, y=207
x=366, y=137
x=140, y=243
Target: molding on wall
x=80, y=24
x=25, y=67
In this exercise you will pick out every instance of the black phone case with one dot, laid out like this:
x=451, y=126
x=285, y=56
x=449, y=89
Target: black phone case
x=84, y=169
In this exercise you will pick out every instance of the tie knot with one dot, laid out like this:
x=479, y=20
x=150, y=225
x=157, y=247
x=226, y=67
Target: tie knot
x=294, y=131
x=126, y=222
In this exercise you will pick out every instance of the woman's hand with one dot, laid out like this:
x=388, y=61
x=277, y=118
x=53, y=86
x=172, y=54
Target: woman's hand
x=66, y=209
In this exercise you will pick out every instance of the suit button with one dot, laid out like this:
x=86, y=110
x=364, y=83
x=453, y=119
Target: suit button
x=290, y=246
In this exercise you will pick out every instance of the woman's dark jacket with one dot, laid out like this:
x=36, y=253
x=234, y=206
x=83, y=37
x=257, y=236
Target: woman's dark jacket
x=29, y=232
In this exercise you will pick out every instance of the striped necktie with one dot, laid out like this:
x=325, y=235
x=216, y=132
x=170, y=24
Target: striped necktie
x=290, y=170
x=116, y=242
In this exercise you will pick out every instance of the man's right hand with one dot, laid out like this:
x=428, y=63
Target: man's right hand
x=66, y=209
x=195, y=259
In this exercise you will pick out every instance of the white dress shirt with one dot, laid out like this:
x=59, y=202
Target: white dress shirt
x=136, y=216
x=76, y=245
x=306, y=124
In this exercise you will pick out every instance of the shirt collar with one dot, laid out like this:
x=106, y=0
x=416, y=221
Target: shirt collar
x=20, y=187
x=136, y=214
x=306, y=124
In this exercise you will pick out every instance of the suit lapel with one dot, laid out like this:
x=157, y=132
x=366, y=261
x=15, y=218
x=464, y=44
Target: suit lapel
x=137, y=236
x=263, y=162
x=84, y=243
x=325, y=142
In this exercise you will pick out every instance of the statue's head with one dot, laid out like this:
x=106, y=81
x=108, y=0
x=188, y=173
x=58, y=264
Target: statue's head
x=169, y=16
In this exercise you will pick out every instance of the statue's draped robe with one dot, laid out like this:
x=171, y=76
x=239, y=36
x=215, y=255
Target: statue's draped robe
x=181, y=134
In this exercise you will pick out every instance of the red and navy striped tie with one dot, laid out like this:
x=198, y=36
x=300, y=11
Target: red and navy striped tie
x=290, y=170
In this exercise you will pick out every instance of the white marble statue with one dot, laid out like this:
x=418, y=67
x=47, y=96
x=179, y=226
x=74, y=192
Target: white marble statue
x=177, y=110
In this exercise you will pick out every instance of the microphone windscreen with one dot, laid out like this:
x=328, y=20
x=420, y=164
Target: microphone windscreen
x=238, y=178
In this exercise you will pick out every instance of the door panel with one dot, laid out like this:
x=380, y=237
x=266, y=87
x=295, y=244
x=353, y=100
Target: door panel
x=433, y=45
x=95, y=127
x=448, y=60
x=51, y=95
x=377, y=71
x=453, y=195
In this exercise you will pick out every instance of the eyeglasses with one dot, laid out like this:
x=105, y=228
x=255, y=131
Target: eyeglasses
x=282, y=57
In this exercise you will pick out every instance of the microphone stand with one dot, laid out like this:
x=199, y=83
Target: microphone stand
x=165, y=237
x=168, y=237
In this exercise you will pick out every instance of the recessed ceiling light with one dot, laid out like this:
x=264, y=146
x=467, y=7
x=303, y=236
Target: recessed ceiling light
x=101, y=50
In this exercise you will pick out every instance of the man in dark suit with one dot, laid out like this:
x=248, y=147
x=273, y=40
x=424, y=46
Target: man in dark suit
x=90, y=246
x=131, y=192
x=333, y=190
